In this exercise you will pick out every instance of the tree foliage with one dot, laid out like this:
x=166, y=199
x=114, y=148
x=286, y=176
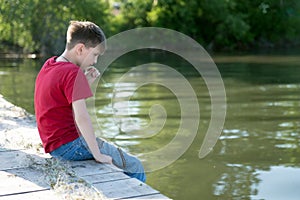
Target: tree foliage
x=37, y=25
x=222, y=24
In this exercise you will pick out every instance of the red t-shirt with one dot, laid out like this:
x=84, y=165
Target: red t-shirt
x=58, y=84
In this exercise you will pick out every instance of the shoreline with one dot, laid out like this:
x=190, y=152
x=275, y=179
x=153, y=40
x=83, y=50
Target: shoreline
x=16, y=121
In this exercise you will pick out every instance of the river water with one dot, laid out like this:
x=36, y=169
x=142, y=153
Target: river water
x=257, y=155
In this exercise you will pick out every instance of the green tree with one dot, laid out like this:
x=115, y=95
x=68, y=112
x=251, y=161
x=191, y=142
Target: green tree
x=272, y=21
x=38, y=25
x=48, y=31
x=134, y=14
x=15, y=22
x=224, y=24
x=219, y=24
x=215, y=22
x=179, y=15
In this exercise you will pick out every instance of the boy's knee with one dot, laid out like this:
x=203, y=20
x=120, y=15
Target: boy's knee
x=135, y=165
x=121, y=159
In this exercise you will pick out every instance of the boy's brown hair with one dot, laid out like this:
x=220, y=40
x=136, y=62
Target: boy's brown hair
x=84, y=32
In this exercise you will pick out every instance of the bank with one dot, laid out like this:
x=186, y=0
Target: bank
x=26, y=172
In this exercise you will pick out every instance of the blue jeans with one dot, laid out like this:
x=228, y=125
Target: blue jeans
x=78, y=150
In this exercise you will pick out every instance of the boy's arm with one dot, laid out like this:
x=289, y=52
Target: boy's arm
x=84, y=123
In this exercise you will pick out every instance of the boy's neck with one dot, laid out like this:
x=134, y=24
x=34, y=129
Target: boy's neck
x=66, y=57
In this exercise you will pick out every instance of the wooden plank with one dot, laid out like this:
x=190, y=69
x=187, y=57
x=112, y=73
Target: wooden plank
x=2, y=149
x=153, y=196
x=39, y=195
x=5, y=149
x=111, y=181
x=18, y=159
x=13, y=159
x=91, y=167
x=12, y=184
x=36, y=176
x=122, y=189
x=105, y=177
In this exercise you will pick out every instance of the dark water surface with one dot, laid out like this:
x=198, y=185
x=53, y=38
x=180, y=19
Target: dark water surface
x=258, y=153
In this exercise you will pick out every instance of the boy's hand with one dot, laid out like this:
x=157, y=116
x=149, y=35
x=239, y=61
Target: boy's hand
x=104, y=159
x=91, y=74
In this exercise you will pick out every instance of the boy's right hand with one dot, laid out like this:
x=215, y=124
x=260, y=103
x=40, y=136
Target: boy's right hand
x=104, y=159
x=91, y=74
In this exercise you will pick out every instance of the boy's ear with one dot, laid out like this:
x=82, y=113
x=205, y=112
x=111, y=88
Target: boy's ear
x=79, y=48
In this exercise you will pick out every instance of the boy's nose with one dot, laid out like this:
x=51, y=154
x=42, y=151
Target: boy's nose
x=95, y=62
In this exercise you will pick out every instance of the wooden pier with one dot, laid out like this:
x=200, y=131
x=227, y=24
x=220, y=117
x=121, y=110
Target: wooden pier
x=27, y=173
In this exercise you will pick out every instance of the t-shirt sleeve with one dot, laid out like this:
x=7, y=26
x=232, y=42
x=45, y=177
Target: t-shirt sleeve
x=77, y=87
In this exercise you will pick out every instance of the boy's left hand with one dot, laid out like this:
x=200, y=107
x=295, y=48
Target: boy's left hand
x=91, y=74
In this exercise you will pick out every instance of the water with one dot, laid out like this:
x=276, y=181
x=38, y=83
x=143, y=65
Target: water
x=257, y=155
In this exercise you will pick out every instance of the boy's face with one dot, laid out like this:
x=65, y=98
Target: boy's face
x=90, y=56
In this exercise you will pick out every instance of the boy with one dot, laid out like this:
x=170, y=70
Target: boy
x=61, y=88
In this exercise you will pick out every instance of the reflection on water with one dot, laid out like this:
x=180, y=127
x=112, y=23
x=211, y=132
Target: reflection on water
x=258, y=153
x=17, y=81
x=278, y=183
x=236, y=183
